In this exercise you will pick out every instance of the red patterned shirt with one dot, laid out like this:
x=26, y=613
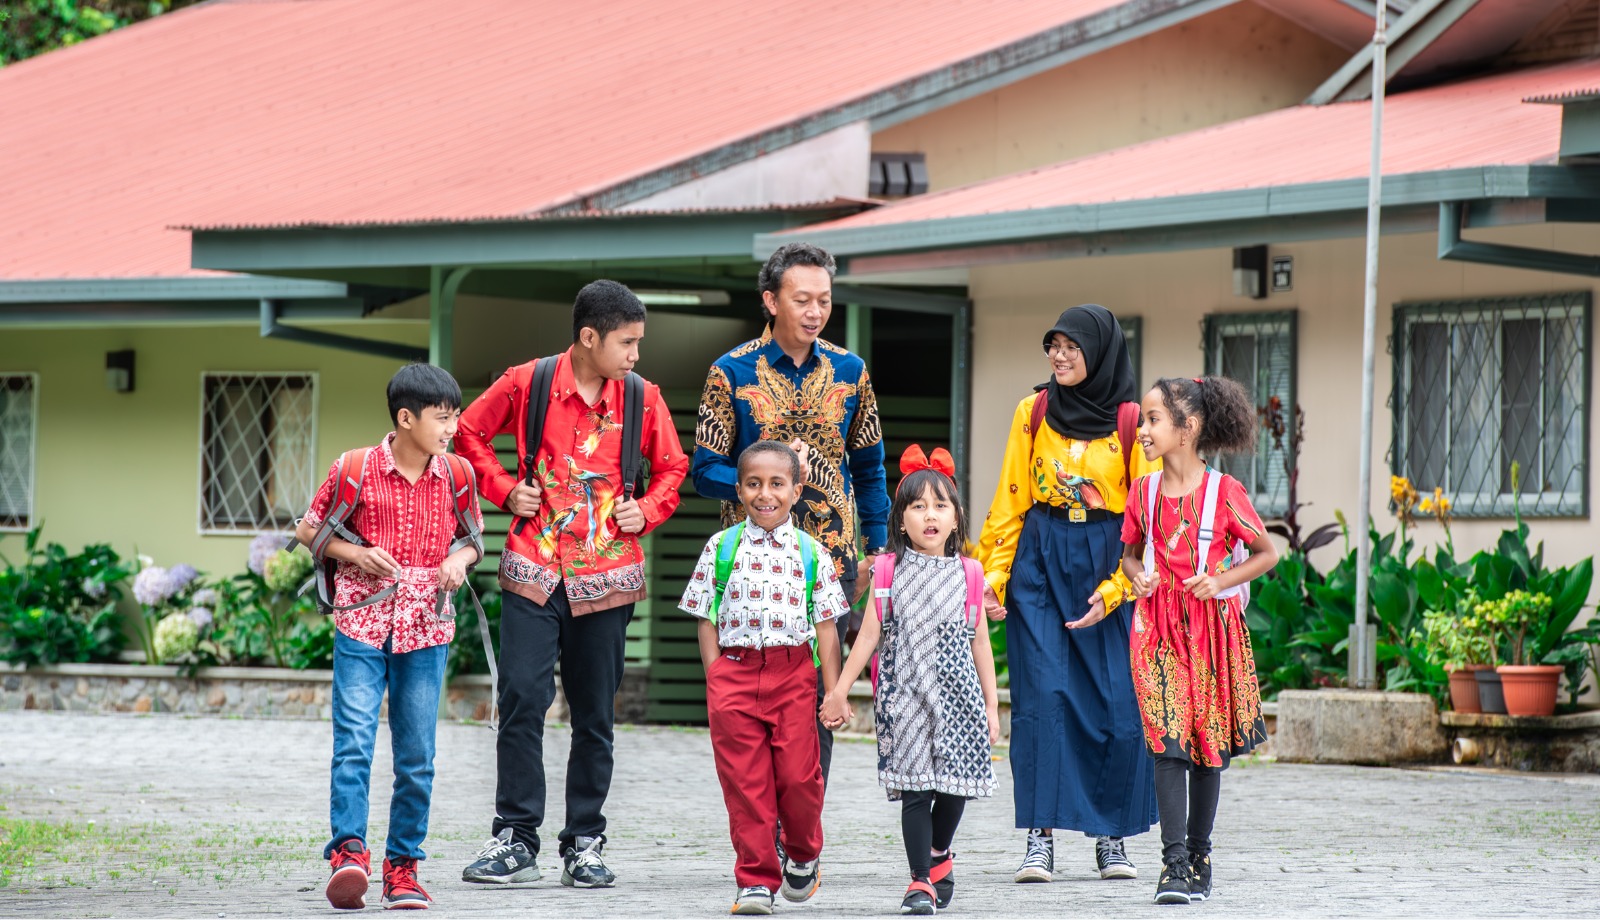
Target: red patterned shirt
x=573, y=541
x=415, y=523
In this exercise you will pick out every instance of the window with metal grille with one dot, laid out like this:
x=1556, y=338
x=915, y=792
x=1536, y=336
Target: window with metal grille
x=1133, y=336
x=18, y=435
x=257, y=444
x=1480, y=385
x=1259, y=350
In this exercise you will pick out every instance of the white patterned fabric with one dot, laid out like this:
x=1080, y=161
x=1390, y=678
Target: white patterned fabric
x=764, y=604
x=933, y=732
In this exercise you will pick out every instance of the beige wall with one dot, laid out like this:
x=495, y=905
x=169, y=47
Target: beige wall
x=1173, y=292
x=1230, y=64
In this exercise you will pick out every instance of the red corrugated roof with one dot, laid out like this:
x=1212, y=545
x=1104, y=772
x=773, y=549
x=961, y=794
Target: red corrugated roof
x=1469, y=124
x=360, y=111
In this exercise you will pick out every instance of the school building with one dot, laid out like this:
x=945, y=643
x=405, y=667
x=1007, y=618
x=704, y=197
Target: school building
x=227, y=226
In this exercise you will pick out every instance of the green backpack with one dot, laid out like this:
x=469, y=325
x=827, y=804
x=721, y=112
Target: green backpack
x=728, y=547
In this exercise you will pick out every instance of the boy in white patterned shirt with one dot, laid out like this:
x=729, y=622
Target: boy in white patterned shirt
x=761, y=677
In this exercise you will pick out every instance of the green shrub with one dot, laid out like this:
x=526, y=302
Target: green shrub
x=59, y=606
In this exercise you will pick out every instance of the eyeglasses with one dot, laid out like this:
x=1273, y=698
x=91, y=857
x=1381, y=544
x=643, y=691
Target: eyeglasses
x=1066, y=350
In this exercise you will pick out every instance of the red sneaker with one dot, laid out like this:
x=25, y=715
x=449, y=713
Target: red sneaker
x=401, y=891
x=352, y=864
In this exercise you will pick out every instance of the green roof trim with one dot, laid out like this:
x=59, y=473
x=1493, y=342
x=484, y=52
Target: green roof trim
x=165, y=290
x=1316, y=210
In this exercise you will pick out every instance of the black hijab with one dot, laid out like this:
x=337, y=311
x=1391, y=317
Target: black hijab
x=1089, y=410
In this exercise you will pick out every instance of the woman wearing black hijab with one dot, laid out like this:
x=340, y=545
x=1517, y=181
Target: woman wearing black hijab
x=1051, y=548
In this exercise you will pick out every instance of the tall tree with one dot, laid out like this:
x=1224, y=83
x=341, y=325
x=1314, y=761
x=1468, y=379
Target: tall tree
x=30, y=27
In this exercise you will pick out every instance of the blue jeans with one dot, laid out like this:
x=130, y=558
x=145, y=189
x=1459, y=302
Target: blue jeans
x=360, y=675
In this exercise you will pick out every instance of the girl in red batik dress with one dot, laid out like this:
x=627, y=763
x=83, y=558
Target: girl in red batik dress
x=1185, y=535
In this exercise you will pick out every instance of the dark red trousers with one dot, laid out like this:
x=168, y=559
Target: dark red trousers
x=763, y=711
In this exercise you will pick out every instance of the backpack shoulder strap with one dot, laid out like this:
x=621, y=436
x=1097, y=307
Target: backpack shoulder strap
x=975, y=583
x=883, y=585
x=632, y=433
x=1127, y=427
x=349, y=472
x=727, y=548
x=1208, y=514
x=463, y=492
x=1152, y=484
x=1041, y=401
x=544, y=374
x=809, y=551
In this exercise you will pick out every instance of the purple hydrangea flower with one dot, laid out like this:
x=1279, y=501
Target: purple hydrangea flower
x=206, y=597
x=151, y=586
x=201, y=617
x=262, y=548
x=179, y=577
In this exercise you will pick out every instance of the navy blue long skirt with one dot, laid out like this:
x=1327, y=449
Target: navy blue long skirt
x=1078, y=756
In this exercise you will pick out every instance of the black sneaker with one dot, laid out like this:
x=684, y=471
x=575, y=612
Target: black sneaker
x=582, y=865
x=752, y=900
x=918, y=899
x=502, y=861
x=1039, y=862
x=943, y=877
x=1173, y=888
x=1199, y=877
x=800, y=879
x=1111, y=858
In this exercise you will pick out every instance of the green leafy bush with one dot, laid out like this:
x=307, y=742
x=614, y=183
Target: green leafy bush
x=59, y=606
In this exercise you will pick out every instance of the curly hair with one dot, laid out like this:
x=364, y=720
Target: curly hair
x=913, y=487
x=1224, y=410
x=784, y=452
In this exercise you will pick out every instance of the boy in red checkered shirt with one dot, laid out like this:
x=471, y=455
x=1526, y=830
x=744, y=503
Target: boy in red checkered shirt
x=390, y=633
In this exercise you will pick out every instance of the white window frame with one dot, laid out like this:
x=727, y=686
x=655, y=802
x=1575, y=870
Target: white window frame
x=1572, y=502
x=33, y=455
x=1283, y=323
x=200, y=477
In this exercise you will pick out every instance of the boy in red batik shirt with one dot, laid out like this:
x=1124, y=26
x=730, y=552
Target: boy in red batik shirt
x=407, y=515
x=570, y=573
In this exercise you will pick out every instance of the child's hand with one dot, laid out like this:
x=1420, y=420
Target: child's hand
x=1143, y=584
x=992, y=607
x=993, y=711
x=1097, y=612
x=374, y=560
x=452, y=574
x=803, y=451
x=1203, y=587
x=629, y=517
x=835, y=712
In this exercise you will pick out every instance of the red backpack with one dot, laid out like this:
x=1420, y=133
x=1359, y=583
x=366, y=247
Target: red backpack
x=883, y=595
x=1127, y=426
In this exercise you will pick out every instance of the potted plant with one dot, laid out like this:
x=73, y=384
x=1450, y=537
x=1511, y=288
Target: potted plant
x=1530, y=689
x=1460, y=644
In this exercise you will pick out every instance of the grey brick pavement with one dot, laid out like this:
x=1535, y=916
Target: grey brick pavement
x=202, y=817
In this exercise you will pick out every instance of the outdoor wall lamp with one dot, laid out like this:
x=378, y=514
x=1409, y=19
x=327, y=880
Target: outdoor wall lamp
x=119, y=371
x=1250, y=271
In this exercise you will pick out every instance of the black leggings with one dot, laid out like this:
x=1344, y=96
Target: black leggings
x=928, y=820
x=1187, y=796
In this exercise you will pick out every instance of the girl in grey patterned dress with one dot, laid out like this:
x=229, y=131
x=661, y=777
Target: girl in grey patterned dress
x=936, y=709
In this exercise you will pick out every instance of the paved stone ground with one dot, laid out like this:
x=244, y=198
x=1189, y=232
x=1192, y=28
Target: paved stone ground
x=201, y=817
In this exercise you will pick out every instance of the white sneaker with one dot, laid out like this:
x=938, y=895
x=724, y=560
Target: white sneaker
x=753, y=900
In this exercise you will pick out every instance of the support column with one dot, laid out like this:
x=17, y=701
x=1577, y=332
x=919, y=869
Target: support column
x=961, y=394
x=858, y=331
x=443, y=284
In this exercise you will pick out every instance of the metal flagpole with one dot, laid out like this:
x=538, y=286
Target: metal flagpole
x=1363, y=657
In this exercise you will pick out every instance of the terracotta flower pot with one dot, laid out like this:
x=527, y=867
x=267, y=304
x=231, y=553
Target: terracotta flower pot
x=1530, y=689
x=1464, y=688
x=1490, y=698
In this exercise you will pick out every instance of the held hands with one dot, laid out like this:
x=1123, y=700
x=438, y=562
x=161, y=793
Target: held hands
x=1097, y=612
x=524, y=500
x=629, y=517
x=1143, y=584
x=835, y=712
x=1203, y=587
x=992, y=608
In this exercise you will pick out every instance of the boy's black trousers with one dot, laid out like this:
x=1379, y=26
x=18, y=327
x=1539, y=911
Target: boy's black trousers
x=533, y=637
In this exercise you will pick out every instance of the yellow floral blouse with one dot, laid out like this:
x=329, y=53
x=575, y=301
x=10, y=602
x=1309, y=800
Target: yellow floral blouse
x=1061, y=471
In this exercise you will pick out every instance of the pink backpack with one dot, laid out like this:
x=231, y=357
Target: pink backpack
x=883, y=595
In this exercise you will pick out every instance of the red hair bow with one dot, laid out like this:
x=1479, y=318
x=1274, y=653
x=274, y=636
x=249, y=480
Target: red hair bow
x=914, y=459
